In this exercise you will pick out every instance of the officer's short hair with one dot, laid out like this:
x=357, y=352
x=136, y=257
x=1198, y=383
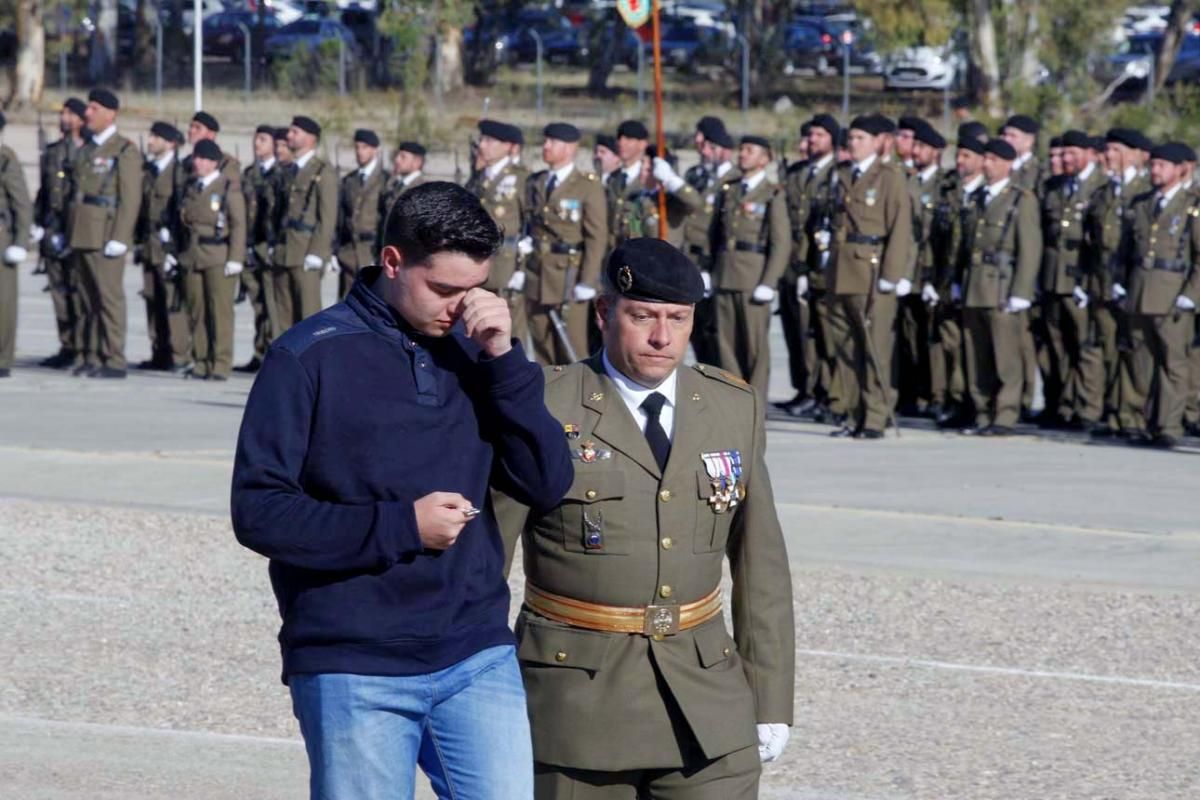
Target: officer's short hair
x=441, y=217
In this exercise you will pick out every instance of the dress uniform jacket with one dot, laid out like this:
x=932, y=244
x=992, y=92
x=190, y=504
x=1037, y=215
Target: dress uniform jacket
x=503, y=195
x=872, y=220
x=162, y=193
x=1029, y=175
x=751, y=235
x=309, y=214
x=810, y=192
x=569, y=231
x=388, y=197
x=359, y=213
x=263, y=194
x=929, y=202
x=1103, y=228
x=697, y=227
x=1064, y=209
x=108, y=194
x=626, y=219
x=214, y=221
x=1160, y=253
x=52, y=206
x=660, y=541
x=1005, y=250
x=16, y=214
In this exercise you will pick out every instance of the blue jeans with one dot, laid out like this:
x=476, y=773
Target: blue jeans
x=466, y=725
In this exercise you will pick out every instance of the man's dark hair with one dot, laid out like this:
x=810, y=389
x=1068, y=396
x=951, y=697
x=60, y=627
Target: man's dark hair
x=441, y=217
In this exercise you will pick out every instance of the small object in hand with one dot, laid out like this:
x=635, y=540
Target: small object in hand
x=471, y=513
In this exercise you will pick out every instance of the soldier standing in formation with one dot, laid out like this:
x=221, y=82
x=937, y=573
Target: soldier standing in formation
x=407, y=166
x=205, y=127
x=360, y=201
x=262, y=188
x=626, y=186
x=16, y=216
x=604, y=157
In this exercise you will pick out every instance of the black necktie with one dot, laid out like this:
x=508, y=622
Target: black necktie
x=980, y=196
x=660, y=445
x=551, y=183
x=855, y=175
x=1160, y=205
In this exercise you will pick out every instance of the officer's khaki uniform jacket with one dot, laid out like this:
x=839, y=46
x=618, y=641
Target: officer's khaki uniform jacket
x=1103, y=228
x=108, y=194
x=160, y=209
x=1029, y=176
x=929, y=204
x=214, y=224
x=595, y=700
x=569, y=231
x=52, y=206
x=752, y=237
x=1063, y=232
x=309, y=214
x=697, y=226
x=872, y=230
x=1160, y=253
x=16, y=212
x=1005, y=251
x=810, y=189
x=263, y=195
x=503, y=195
x=359, y=217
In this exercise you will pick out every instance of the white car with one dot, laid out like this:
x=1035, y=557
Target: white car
x=920, y=68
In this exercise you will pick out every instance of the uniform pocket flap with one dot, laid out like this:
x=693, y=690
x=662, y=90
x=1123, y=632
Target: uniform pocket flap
x=590, y=487
x=713, y=644
x=557, y=646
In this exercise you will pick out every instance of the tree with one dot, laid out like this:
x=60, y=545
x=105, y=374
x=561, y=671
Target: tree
x=104, y=42
x=985, y=55
x=30, y=72
x=1178, y=23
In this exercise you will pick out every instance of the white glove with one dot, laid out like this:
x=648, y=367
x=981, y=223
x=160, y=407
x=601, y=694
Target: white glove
x=822, y=239
x=801, y=287
x=14, y=254
x=763, y=294
x=271, y=252
x=517, y=282
x=171, y=263
x=1081, y=298
x=666, y=176
x=772, y=738
x=164, y=235
x=115, y=249
x=904, y=288
x=57, y=242
x=37, y=233
x=1017, y=304
x=233, y=268
x=706, y=276
x=312, y=263
x=1118, y=292
x=1185, y=303
x=930, y=295
x=525, y=246
x=886, y=286
x=582, y=293
x=335, y=266
x=955, y=292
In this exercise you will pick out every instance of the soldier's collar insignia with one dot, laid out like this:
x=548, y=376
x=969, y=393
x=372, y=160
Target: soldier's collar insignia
x=625, y=278
x=589, y=453
x=597, y=397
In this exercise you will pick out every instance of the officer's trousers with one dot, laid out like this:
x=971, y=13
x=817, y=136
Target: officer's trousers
x=63, y=283
x=947, y=380
x=1160, y=374
x=731, y=777
x=297, y=295
x=795, y=318
x=210, y=307
x=1066, y=328
x=8, y=314
x=863, y=345
x=912, y=352
x=1103, y=361
x=260, y=289
x=104, y=311
x=167, y=319
x=743, y=328
x=1191, y=414
x=993, y=359
x=548, y=347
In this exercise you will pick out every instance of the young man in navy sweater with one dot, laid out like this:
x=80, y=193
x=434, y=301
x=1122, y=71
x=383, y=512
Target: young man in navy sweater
x=370, y=440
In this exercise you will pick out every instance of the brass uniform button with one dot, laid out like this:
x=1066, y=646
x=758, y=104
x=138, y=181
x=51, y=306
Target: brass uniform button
x=560, y=656
x=665, y=495
x=664, y=592
x=590, y=494
x=726, y=651
x=667, y=543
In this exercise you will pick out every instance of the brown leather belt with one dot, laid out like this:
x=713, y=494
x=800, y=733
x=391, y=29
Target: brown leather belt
x=656, y=622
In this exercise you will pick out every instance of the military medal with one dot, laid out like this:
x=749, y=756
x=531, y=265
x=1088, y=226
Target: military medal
x=588, y=453
x=572, y=431
x=870, y=197
x=724, y=469
x=214, y=202
x=593, y=530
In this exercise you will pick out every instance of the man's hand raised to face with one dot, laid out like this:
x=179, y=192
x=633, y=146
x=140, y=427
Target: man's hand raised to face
x=488, y=322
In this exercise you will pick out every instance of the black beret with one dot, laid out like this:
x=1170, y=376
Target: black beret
x=1143, y=141
x=412, y=147
x=761, y=141
x=973, y=130
x=1022, y=123
x=924, y=132
x=104, y=98
x=910, y=123
x=1001, y=149
x=1098, y=143
x=710, y=127
x=1074, y=138
x=281, y=134
x=972, y=144
x=165, y=130
x=518, y=135
x=843, y=138
x=722, y=138
x=367, y=137
x=1056, y=141
x=827, y=122
x=269, y=130
x=606, y=141
x=500, y=131
x=562, y=131
x=307, y=124
x=1128, y=137
x=207, y=148
x=886, y=122
x=869, y=123
x=654, y=271
x=207, y=120
x=1174, y=152
x=960, y=102
x=75, y=106
x=1189, y=153
x=632, y=129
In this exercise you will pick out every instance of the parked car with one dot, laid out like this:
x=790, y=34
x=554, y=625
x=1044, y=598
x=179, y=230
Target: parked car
x=815, y=43
x=921, y=68
x=1134, y=59
x=686, y=45
x=311, y=33
x=562, y=42
x=223, y=36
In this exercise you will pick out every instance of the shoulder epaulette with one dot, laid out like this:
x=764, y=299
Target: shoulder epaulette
x=721, y=375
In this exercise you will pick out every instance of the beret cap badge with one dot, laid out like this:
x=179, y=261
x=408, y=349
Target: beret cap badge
x=625, y=278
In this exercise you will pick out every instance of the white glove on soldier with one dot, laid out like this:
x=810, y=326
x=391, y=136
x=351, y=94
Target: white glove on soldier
x=115, y=249
x=14, y=254
x=707, y=278
x=233, y=268
x=763, y=294
x=822, y=238
x=582, y=293
x=1017, y=304
x=930, y=295
x=1184, y=303
x=1081, y=298
x=1118, y=293
x=171, y=263
x=517, y=282
x=904, y=288
x=801, y=287
x=772, y=738
x=37, y=233
x=335, y=266
x=164, y=235
x=525, y=246
x=666, y=176
x=886, y=286
x=312, y=263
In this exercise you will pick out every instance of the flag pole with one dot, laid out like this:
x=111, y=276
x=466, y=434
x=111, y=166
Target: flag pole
x=661, y=138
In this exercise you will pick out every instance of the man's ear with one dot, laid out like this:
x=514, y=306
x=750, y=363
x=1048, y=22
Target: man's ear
x=392, y=261
x=602, y=306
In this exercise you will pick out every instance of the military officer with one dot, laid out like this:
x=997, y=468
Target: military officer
x=906, y=140
x=604, y=157
x=359, y=210
x=212, y=217
x=868, y=266
x=52, y=212
x=1160, y=289
x=566, y=226
x=997, y=288
x=407, y=165
x=500, y=186
x=283, y=151
x=158, y=231
x=752, y=242
x=262, y=188
x=1055, y=160
x=626, y=185
x=205, y=127
x=1021, y=132
x=16, y=216
x=108, y=197
x=309, y=219
x=622, y=598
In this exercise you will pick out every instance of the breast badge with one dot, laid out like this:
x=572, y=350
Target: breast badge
x=724, y=469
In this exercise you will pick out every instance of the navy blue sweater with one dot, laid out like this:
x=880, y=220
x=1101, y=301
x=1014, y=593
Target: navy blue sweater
x=353, y=417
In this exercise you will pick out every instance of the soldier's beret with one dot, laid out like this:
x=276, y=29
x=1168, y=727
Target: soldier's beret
x=632, y=129
x=652, y=270
x=562, y=131
x=307, y=124
x=827, y=122
x=1022, y=123
x=1098, y=143
x=1143, y=141
x=367, y=137
x=1056, y=141
x=500, y=131
x=75, y=106
x=104, y=97
x=960, y=103
x=1125, y=136
x=207, y=120
x=908, y=123
x=843, y=138
x=925, y=133
x=710, y=127
x=888, y=125
x=722, y=138
x=412, y=147
x=269, y=130
x=518, y=136
x=869, y=123
x=207, y=148
x=761, y=141
x=1174, y=152
x=606, y=141
x=281, y=134
x=973, y=130
x=1074, y=138
x=165, y=130
x=1001, y=149
x=972, y=144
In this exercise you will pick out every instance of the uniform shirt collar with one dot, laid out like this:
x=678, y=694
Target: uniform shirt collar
x=1086, y=172
x=161, y=164
x=1129, y=175
x=724, y=168
x=369, y=168
x=1020, y=161
x=1169, y=195
x=820, y=165
x=973, y=184
x=207, y=180
x=302, y=161
x=561, y=174
x=267, y=166
x=408, y=179
x=996, y=188
x=633, y=394
x=865, y=164
x=924, y=175
x=493, y=170
x=633, y=173
x=752, y=181
x=104, y=135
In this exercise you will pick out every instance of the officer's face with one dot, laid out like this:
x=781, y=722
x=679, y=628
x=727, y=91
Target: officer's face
x=155, y=145
x=429, y=295
x=264, y=146
x=1165, y=174
x=995, y=168
x=1021, y=141
x=645, y=341
x=203, y=166
x=406, y=163
x=820, y=142
x=630, y=150
x=923, y=155
x=364, y=153
x=69, y=121
x=283, y=151
x=300, y=141
x=802, y=148
x=197, y=132
x=98, y=117
x=1056, y=161
x=1116, y=156
x=558, y=154
x=905, y=143
x=862, y=145
x=1075, y=159
x=492, y=150
x=753, y=157
x=968, y=163
x=606, y=160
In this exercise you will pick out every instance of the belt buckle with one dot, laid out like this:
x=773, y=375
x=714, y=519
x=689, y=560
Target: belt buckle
x=660, y=621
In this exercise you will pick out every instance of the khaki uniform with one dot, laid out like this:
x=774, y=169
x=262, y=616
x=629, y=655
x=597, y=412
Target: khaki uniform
x=1030, y=176
x=697, y=245
x=569, y=228
x=359, y=221
x=1160, y=251
x=1005, y=251
x=263, y=193
x=309, y=221
x=927, y=197
x=213, y=220
x=392, y=191
x=16, y=215
x=504, y=195
x=872, y=239
x=52, y=211
x=626, y=217
x=952, y=225
x=108, y=197
x=628, y=534
x=166, y=315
